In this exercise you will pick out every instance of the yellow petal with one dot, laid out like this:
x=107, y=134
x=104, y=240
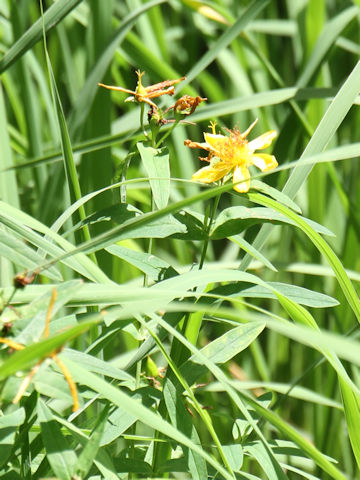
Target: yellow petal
x=215, y=140
x=211, y=173
x=241, y=174
x=246, y=133
x=212, y=14
x=263, y=161
x=263, y=141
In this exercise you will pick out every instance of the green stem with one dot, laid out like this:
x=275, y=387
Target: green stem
x=142, y=119
x=166, y=134
x=208, y=228
x=146, y=277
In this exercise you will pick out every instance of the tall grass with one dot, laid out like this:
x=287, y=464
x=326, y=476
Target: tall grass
x=157, y=327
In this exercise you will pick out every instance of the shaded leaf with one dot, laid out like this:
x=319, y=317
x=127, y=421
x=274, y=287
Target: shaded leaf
x=156, y=268
x=234, y=220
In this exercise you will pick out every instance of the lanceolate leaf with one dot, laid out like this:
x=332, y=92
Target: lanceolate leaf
x=156, y=163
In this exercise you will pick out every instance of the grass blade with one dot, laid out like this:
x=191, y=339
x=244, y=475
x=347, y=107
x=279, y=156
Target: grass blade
x=52, y=17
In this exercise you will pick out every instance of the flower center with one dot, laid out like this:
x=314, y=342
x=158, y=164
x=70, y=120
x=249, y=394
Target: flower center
x=234, y=150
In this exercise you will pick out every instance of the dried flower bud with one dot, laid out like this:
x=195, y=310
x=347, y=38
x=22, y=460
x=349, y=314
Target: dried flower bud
x=186, y=105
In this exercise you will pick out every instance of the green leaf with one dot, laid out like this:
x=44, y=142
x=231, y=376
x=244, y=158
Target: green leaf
x=222, y=349
x=275, y=194
x=156, y=268
x=234, y=454
x=234, y=220
x=60, y=454
x=72, y=178
x=225, y=39
x=32, y=316
x=24, y=225
x=259, y=452
x=352, y=414
x=118, y=422
x=247, y=247
x=300, y=295
x=328, y=36
x=231, y=343
x=25, y=358
x=9, y=425
x=272, y=417
x=89, y=452
x=96, y=365
x=133, y=465
x=180, y=419
x=53, y=15
x=123, y=213
x=8, y=183
x=156, y=163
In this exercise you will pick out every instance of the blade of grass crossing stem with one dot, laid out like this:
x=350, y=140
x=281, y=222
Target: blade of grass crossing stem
x=52, y=17
x=136, y=409
x=327, y=127
x=344, y=281
x=69, y=164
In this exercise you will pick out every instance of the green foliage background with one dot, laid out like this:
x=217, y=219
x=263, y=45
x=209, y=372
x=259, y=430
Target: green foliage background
x=210, y=334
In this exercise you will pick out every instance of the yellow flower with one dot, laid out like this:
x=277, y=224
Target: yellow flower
x=234, y=154
x=145, y=94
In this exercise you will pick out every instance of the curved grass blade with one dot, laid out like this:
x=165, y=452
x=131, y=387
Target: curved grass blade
x=344, y=281
x=352, y=414
x=327, y=127
x=52, y=17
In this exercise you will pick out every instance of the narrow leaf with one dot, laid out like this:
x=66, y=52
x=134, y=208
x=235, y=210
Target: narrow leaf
x=156, y=163
x=60, y=454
